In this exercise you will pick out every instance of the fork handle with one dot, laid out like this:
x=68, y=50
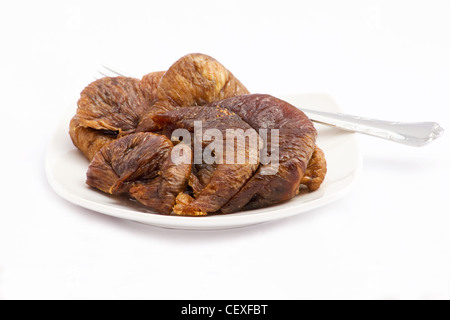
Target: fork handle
x=415, y=134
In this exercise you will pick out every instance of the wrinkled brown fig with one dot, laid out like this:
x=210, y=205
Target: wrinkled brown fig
x=114, y=104
x=194, y=80
x=140, y=165
x=273, y=183
x=201, y=176
x=150, y=83
x=110, y=107
x=316, y=171
x=88, y=140
x=233, y=163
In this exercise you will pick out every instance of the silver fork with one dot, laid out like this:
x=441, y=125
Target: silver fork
x=416, y=134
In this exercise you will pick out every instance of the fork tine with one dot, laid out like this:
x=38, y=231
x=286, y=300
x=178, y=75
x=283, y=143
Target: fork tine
x=106, y=71
x=115, y=71
x=103, y=74
x=100, y=74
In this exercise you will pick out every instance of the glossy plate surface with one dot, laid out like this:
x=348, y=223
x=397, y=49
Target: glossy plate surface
x=66, y=172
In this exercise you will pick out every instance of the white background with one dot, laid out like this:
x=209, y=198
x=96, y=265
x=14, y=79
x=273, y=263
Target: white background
x=388, y=239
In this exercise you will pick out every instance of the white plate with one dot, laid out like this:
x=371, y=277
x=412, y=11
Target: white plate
x=66, y=172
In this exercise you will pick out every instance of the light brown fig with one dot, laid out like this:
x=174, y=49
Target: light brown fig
x=141, y=166
x=194, y=80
